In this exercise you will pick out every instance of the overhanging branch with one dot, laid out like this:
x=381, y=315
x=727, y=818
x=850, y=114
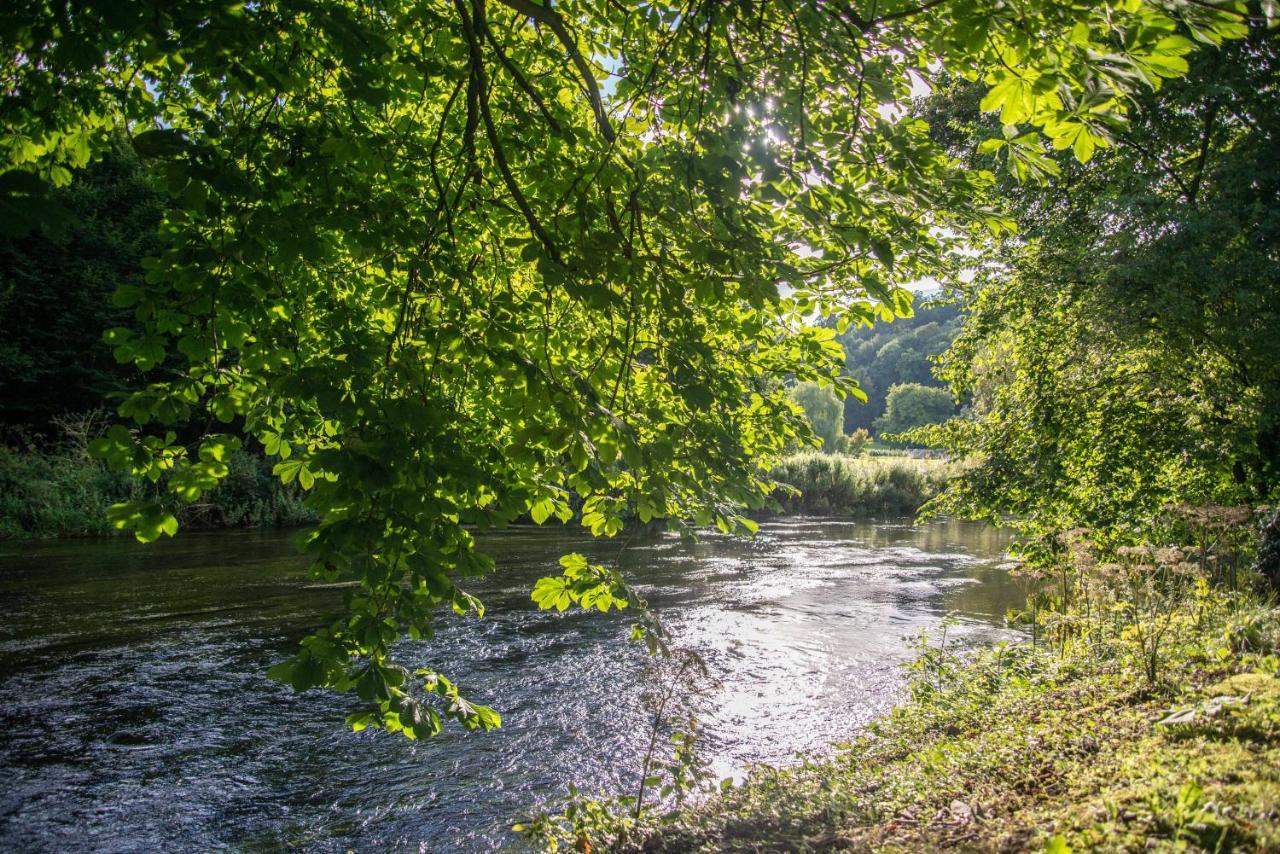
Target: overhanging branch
x=491, y=131
x=551, y=18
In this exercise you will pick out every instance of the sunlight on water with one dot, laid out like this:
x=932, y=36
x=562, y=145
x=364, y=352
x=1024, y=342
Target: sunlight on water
x=135, y=712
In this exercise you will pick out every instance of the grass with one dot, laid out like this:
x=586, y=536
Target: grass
x=61, y=491
x=840, y=485
x=1018, y=748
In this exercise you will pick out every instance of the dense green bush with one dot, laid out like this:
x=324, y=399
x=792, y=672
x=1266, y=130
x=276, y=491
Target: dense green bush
x=55, y=494
x=911, y=405
x=61, y=491
x=840, y=485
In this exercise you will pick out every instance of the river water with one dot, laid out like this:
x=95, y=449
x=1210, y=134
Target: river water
x=134, y=714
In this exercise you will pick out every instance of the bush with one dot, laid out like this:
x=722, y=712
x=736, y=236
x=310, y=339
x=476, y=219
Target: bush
x=58, y=494
x=837, y=485
x=911, y=405
x=856, y=443
x=61, y=491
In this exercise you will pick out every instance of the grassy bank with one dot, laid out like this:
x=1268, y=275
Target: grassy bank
x=63, y=492
x=839, y=485
x=1020, y=748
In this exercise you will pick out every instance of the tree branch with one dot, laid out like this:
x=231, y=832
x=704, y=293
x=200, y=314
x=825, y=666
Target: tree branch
x=551, y=18
x=869, y=24
x=516, y=75
x=1159, y=162
x=1210, y=117
x=491, y=131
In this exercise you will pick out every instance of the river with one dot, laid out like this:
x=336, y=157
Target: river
x=134, y=714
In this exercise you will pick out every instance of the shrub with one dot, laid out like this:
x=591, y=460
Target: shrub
x=912, y=405
x=61, y=491
x=857, y=443
x=838, y=485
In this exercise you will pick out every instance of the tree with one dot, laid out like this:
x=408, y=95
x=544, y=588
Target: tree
x=911, y=405
x=899, y=352
x=1124, y=353
x=447, y=277
x=824, y=410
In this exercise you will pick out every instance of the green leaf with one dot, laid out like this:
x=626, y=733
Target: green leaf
x=541, y=510
x=1083, y=146
x=1013, y=96
x=1057, y=845
x=547, y=592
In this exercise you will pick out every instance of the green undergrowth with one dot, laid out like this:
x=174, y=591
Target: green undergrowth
x=1018, y=748
x=841, y=485
x=63, y=492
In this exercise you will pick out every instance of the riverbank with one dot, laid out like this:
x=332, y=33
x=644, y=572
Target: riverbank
x=1019, y=748
x=63, y=492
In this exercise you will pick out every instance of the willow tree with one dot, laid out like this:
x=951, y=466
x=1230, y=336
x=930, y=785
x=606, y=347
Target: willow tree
x=454, y=262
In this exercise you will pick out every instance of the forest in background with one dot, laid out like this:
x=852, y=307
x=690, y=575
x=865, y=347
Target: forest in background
x=60, y=381
x=901, y=352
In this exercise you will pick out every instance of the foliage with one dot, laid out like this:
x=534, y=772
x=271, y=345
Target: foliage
x=56, y=489
x=825, y=411
x=56, y=289
x=840, y=485
x=1044, y=747
x=1095, y=594
x=911, y=405
x=590, y=586
x=902, y=351
x=1122, y=354
x=856, y=443
x=443, y=275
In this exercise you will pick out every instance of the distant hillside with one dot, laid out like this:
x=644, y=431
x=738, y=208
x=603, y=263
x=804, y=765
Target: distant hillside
x=897, y=352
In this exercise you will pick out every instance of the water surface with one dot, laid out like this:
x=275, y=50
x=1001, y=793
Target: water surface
x=134, y=713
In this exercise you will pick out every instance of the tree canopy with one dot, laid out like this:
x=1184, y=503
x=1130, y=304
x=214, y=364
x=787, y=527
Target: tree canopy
x=1123, y=353
x=450, y=262
x=912, y=405
x=825, y=412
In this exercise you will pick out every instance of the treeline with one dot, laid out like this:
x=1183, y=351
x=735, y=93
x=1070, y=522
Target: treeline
x=901, y=353
x=893, y=364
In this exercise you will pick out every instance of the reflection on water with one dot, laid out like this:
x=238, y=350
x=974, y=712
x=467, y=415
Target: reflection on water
x=135, y=714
